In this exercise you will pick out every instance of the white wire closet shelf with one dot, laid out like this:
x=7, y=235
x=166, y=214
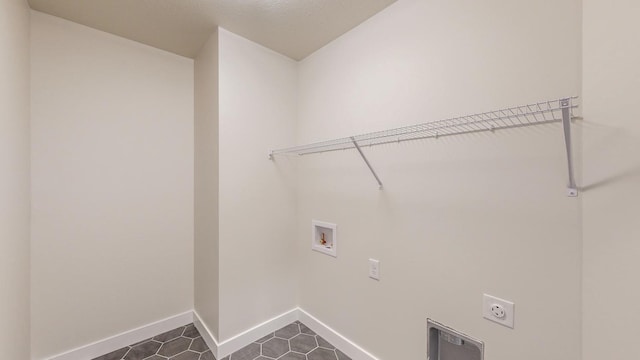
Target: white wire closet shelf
x=551, y=111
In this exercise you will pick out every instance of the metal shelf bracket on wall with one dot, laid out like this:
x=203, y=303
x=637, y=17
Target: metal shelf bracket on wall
x=546, y=112
x=572, y=190
x=355, y=143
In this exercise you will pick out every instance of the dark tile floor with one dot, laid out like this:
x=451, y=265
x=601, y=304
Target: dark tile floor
x=293, y=342
x=183, y=343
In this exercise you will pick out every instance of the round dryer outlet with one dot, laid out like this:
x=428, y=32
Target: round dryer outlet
x=498, y=311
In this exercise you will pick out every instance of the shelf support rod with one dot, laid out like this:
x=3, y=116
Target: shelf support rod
x=565, y=104
x=355, y=143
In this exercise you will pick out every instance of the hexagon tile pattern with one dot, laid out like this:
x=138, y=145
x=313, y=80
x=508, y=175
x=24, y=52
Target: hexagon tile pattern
x=183, y=343
x=293, y=342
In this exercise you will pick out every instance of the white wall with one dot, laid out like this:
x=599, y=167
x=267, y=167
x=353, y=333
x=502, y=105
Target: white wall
x=459, y=216
x=113, y=208
x=611, y=176
x=112, y=166
x=206, y=185
x=14, y=179
x=257, y=202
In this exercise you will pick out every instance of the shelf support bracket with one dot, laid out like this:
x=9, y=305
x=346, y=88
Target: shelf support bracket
x=355, y=143
x=565, y=104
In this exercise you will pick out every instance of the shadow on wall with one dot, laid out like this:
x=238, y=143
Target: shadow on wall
x=610, y=145
x=615, y=178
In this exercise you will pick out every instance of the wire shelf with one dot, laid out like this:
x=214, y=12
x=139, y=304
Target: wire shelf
x=546, y=112
x=519, y=116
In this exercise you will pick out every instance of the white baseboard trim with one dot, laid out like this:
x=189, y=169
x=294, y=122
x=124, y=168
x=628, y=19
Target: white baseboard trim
x=206, y=334
x=235, y=343
x=126, y=338
x=219, y=349
x=345, y=345
x=245, y=338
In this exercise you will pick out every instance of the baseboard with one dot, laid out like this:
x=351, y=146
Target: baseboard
x=219, y=349
x=229, y=346
x=206, y=334
x=345, y=345
x=126, y=338
x=245, y=338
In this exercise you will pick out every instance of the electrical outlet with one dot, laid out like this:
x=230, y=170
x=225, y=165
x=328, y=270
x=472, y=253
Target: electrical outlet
x=498, y=310
x=374, y=269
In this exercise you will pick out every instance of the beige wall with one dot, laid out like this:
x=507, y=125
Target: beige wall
x=206, y=185
x=14, y=179
x=611, y=178
x=257, y=202
x=112, y=165
x=113, y=181
x=459, y=216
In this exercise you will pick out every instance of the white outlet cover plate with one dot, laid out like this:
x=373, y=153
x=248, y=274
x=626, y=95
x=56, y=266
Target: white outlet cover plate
x=374, y=269
x=509, y=308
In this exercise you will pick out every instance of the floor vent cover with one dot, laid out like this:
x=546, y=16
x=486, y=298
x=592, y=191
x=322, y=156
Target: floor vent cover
x=445, y=343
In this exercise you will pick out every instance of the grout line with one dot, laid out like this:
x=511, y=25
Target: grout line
x=127, y=353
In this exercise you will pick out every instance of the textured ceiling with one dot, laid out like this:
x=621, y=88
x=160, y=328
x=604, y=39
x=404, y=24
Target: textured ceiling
x=295, y=28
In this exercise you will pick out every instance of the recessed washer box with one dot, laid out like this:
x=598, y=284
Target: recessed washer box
x=323, y=237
